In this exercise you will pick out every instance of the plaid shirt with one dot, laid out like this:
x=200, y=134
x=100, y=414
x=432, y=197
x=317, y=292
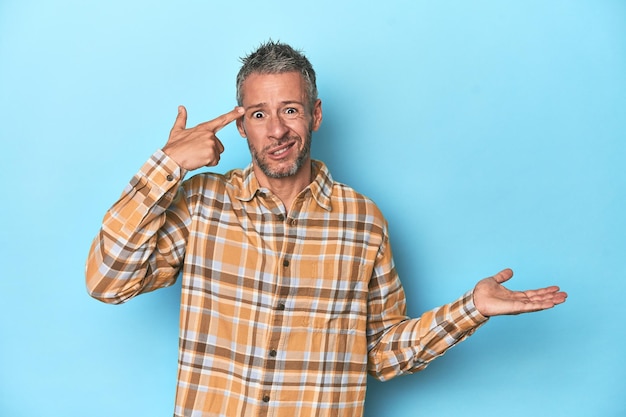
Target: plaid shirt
x=282, y=313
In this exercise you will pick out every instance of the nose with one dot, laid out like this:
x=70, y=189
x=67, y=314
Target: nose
x=277, y=127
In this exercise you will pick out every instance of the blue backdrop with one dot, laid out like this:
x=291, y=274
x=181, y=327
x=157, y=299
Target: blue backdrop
x=491, y=133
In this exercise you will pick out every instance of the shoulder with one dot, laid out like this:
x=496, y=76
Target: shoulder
x=342, y=198
x=346, y=198
x=211, y=183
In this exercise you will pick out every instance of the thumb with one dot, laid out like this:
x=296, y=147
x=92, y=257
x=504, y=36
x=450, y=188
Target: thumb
x=503, y=276
x=181, y=119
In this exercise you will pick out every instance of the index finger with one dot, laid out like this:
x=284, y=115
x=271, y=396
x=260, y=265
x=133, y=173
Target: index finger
x=221, y=121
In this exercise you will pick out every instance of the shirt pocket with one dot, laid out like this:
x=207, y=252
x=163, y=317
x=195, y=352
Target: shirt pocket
x=331, y=296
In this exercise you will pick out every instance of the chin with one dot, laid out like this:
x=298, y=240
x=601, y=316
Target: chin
x=280, y=172
x=282, y=169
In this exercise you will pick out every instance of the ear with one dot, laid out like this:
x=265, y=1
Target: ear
x=240, y=127
x=317, y=115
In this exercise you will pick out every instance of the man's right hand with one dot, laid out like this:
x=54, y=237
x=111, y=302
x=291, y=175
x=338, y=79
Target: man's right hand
x=197, y=146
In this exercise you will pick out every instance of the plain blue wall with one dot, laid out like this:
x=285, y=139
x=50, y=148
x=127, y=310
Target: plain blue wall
x=491, y=133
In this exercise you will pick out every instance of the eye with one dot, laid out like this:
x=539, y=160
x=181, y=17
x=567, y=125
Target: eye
x=291, y=111
x=257, y=115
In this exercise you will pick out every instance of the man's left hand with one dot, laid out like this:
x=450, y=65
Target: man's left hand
x=491, y=298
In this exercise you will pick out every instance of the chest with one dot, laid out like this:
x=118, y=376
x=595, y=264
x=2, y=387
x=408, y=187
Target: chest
x=258, y=254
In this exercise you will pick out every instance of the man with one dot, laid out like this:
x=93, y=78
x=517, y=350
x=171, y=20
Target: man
x=289, y=291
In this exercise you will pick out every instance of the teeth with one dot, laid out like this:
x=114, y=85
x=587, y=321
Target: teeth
x=282, y=151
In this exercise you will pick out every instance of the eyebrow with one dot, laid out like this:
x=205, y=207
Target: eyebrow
x=264, y=104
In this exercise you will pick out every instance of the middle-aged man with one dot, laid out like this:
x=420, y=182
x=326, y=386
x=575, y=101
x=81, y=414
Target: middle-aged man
x=289, y=291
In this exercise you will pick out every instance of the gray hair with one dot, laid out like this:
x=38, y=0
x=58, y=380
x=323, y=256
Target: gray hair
x=277, y=58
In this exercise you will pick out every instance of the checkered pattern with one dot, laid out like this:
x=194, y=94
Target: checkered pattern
x=282, y=313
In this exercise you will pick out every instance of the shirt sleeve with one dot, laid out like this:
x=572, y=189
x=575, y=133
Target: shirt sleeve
x=400, y=345
x=141, y=244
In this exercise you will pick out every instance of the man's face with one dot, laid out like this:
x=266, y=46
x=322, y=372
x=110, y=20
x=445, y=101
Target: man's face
x=278, y=122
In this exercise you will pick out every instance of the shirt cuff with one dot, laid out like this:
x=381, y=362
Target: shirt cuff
x=471, y=318
x=162, y=172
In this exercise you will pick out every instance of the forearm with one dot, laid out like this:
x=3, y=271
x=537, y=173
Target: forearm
x=141, y=242
x=411, y=344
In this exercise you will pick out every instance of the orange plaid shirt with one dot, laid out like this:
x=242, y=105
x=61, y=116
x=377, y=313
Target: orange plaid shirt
x=282, y=313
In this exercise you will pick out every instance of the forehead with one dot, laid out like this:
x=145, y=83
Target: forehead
x=262, y=88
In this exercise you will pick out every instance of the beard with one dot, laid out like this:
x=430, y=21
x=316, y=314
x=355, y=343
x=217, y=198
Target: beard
x=284, y=171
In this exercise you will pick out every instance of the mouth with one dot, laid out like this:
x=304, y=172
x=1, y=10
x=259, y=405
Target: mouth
x=278, y=152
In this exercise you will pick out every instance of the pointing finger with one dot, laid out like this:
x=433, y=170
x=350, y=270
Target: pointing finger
x=221, y=121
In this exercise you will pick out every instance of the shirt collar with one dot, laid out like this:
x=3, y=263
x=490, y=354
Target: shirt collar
x=320, y=187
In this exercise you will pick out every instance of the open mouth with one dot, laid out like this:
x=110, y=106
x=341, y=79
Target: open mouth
x=281, y=150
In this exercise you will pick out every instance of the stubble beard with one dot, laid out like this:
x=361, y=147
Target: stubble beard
x=276, y=173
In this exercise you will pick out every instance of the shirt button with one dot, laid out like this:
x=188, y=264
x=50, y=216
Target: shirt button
x=294, y=222
x=266, y=398
x=273, y=353
x=286, y=263
x=281, y=306
x=170, y=177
